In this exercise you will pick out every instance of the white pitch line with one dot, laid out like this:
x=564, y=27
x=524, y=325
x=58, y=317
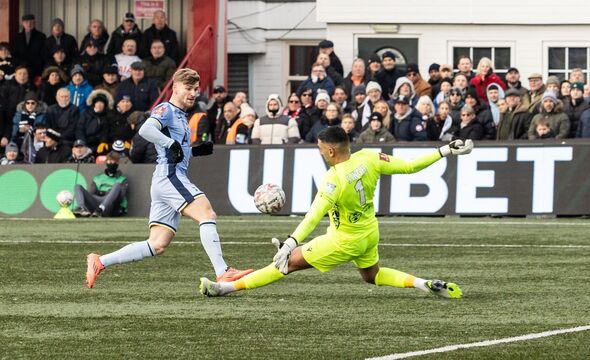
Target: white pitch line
x=548, y=246
x=482, y=343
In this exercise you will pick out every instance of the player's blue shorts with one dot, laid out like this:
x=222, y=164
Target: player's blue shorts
x=170, y=195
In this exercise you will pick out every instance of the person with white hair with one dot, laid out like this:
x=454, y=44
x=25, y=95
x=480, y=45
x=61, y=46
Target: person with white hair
x=484, y=77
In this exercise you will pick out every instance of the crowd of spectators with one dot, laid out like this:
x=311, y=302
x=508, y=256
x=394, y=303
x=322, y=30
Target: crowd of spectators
x=61, y=103
x=64, y=103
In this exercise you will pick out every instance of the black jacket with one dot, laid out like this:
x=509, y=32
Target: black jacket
x=59, y=154
x=574, y=112
x=168, y=37
x=63, y=120
x=93, y=66
x=143, y=94
x=474, y=131
x=32, y=54
x=142, y=151
x=67, y=42
x=410, y=128
x=100, y=42
x=387, y=80
x=93, y=128
x=118, y=128
x=119, y=36
x=11, y=94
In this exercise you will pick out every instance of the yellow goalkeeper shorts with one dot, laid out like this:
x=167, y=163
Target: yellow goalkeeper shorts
x=332, y=249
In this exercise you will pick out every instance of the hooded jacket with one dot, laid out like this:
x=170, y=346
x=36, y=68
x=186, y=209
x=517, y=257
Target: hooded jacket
x=93, y=127
x=558, y=121
x=493, y=107
x=275, y=128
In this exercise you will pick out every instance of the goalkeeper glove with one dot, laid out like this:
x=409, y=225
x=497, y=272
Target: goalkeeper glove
x=284, y=249
x=202, y=149
x=176, y=152
x=456, y=147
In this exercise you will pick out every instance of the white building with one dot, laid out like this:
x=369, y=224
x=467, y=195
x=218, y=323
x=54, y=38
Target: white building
x=269, y=42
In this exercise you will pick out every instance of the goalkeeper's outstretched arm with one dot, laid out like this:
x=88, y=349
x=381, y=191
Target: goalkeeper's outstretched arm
x=319, y=208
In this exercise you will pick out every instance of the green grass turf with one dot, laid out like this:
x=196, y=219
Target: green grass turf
x=151, y=309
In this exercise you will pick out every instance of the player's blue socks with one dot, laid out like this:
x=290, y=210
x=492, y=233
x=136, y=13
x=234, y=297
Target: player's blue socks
x=212, y=245
x=132, y=252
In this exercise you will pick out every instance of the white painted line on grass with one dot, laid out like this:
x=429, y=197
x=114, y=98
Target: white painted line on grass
x=482, y=343
x=533, y=246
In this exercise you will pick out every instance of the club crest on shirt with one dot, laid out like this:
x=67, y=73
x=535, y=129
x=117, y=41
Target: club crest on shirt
x=330, y=188
x=159, y=111
x=383, y=157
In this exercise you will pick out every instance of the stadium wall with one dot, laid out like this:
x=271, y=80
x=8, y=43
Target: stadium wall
x=536, y=178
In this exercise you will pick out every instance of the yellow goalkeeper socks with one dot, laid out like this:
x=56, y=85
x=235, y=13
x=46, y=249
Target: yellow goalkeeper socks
x=395, y=278
x=259, y=278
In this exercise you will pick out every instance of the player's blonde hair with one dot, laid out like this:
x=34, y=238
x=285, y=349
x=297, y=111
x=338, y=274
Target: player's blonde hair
x=186, y=76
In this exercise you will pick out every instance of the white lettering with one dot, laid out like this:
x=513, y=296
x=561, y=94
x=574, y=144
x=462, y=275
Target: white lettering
x=401, y=200
x=544, y=159
x=469, y=179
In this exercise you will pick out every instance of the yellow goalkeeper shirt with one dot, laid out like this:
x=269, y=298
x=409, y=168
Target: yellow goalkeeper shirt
x=347, y=190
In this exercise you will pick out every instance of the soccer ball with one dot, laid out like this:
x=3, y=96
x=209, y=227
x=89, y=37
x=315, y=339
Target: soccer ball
x=269, y=198
x=64, y=198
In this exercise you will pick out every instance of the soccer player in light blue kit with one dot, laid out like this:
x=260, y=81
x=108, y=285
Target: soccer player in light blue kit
x=172, y=192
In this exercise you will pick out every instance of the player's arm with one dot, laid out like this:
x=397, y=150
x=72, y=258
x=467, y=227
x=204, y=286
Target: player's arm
x=151, y=130
x=392, y=165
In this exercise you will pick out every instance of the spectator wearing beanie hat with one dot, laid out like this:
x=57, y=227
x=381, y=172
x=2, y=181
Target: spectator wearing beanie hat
x=10, y=155
x=552, y=84
x=79, y=88
x=59, y=58
x=121, y=148
x=119, y=128
x=110, y=80
x=376, y=133
x=388, y=75
x=327, y=47
x=434, y=78
x=29, y=113
x=551, y=109
x=93, y=126
x=374, y=93
x=421, y=86
x=52, y=79
x=482, y=112
x=59, y=37
x=575, y=106
x=93, y=62
x=373, y=66
x=54, y=151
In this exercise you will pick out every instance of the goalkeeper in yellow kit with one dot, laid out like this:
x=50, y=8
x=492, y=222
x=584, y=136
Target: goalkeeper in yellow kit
x=346, y=193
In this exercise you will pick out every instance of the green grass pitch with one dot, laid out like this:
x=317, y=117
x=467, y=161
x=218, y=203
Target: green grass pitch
x=518, y=276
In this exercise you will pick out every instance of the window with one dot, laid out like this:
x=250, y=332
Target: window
x=562, y=60
x=500, y=56
x=301, y=57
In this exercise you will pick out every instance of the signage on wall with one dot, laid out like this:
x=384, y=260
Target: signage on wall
x=146, y=9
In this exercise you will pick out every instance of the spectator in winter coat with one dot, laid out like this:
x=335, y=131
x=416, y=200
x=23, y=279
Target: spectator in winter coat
x=119, y=128
x=93, y=126
x=583, y=130
x=438, y=127
x=574, y=107
x=93, y=62
x=327, y=47
x=460, y=81
x=405, y=87
x=317, y=80
x=52, y=80
x=215, y=108
x=494, y=93
x=514, y=124
x=54, y=151
x=160, y=31
x=274, y=128
x=11, y=155
x=465, y=67
x=126, y=57
x=341, y=99
x=63, y=116
x=332, y=117
x=357, y=76
x=407, y=124
x=28, y=46
x=324, y=60
x=373, y=67
x=158, y=66
x=425, y=109
x=552, y=84
x=143, y=91
x=7, y=63
x=12, y=93
x=373, y=91
x=552, y=111
x=485, y=76
x=321, y=104
x=536, y=91
x=421, y=86
x=232, y=129
x=295, y=111
x=469, y=128
x=388, y=75
x=456, y=102
x=434, y=78
x=110, y=80
x=387, y=115
x=59, y=38
x=29, y=113
x=81, y=153
x=543, y=130
x=359, y=94
x=97, y=33
x=79, y=88
x=513, y=82
x=142, y=151
x=376, y=133
x=482, y=114
x=59, y=59
x=348, y=125
x=127, y=30
x=445, y=86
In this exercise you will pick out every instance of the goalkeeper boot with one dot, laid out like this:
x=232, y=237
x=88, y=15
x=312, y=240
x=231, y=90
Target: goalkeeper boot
x=232, y=274
x=444, y=289
x=93, y=268
x=210, y=288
